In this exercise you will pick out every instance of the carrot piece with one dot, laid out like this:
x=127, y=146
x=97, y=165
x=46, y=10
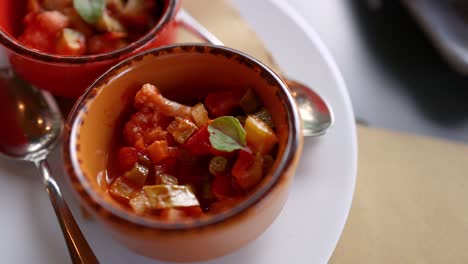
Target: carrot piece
x=158, y=151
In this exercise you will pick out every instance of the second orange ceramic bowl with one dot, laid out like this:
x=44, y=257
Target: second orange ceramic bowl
x=70, y=75
x=180, y=72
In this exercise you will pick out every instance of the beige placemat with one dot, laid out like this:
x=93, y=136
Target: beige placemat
x=226, y=24
x=411, y=198
x=410, y=203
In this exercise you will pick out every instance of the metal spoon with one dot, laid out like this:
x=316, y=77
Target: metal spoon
x=316, y=114
x=31, y=126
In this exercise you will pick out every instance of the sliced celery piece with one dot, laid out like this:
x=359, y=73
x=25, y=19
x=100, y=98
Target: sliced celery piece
x=137, y=174
x=168, y=196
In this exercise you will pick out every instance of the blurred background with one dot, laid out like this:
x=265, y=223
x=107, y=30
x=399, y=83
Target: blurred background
x=396, y=77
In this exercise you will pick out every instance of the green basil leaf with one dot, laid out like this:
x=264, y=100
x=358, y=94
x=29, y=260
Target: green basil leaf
x=226, y=134
x=90, y=10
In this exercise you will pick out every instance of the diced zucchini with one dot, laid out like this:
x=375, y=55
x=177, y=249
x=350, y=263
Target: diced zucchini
x=168, y=196
x=120, y=189
x=199, y=115
x=250, y=102
x=158, y=151
x=137, y=174
x=109, y=24
x=181, y=129
x=167, y=179
x=139, y=202
x=265, y=116
x=259, y=136
x=217, y=165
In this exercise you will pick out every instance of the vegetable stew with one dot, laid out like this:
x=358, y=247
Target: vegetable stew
x=81, y=27
x=176, y=161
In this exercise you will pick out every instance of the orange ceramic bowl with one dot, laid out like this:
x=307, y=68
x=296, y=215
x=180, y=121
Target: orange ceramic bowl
x=180, y=72
x=66, y=75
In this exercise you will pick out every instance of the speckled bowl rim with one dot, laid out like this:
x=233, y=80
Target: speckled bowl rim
x=14, y=45
x=74, y=122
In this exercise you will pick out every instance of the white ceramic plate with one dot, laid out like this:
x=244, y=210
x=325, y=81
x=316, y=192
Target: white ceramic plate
x=306, y=231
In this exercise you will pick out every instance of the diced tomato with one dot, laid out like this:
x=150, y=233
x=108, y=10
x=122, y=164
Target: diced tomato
x=222, y=103
x=41, y=30
x=199, y=142
x=247, y=170
x=243, y=163
x=222, y=187
x=127, y=158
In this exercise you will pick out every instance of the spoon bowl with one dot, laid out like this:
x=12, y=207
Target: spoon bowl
x=33, y=116
x=317, y=116
x=33, y=127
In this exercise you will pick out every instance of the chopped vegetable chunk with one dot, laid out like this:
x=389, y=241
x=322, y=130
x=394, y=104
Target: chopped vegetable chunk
x=168, y=196
x=71, y=42
x=121, y=190
x=166, y=179
x=248, y=169
x=265, y=116
x=158, y=151
x=250, y=102
x=109, y=24
x=139, y=202
x=260, y=137
x=199, y=115
x=181, y=129
x=137, y=175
